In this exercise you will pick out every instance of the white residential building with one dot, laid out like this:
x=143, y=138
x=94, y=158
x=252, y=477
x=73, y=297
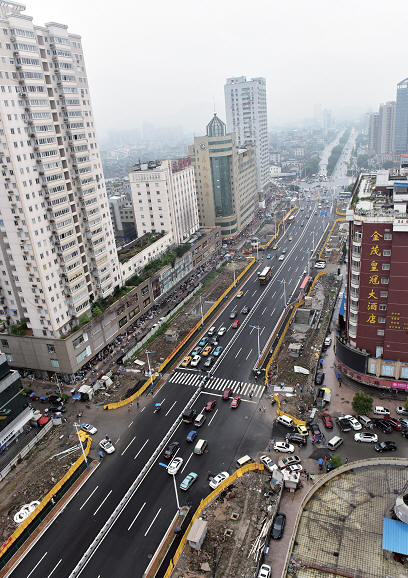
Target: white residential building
x=164, y=198
x=245, y=106
x=57, y=249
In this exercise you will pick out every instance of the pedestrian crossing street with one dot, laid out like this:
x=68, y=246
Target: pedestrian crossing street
x=217, y=384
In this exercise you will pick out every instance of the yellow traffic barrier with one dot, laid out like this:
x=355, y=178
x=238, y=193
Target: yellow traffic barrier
x=329, y=235
x=17, y=533
x=204, y=502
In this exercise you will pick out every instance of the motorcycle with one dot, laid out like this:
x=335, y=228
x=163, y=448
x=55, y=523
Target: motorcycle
x=157, y=407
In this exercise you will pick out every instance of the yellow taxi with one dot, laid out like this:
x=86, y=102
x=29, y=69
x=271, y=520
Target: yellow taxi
x=206, y=350
x=302, y=429
x=240, y=294
x=275, y=247
x=186, y=361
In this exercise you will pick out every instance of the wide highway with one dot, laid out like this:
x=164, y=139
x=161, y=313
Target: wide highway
x=231, y=433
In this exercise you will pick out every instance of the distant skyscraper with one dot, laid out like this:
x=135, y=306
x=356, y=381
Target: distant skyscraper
x=386, y=127
x=57, y=246
x=373, y=130
x=401, y=118
x=226, y=180
x=245, y=105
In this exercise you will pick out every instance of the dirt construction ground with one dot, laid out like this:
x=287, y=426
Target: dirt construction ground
x=37, y=473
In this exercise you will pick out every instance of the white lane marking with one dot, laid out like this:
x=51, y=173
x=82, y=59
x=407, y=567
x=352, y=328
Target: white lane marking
x=290, y=281
x=262, y=330
x=136, y=517
x=215, y=413
x=142, y=409
x=88, y=498
x=117, y=441
x=252, y=329
x=102, y=503
x=263, y=311
x=238, y=352
x=130, y=424
x=246, y=359
x=166, y=414
x=154, y=519
x=185, y=464
x=55, y=567
x=131, y=441
x=254, y=293
x=41, y=559
x=273, y=312
x=272, y=296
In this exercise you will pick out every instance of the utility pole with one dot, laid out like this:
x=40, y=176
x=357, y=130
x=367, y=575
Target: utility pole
x=259, y=348
x=150, y=369
x=80, y=443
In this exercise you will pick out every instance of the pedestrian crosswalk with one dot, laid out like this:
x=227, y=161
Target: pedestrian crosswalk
x=218, y=383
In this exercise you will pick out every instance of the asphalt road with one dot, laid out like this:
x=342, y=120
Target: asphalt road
x=127, y=547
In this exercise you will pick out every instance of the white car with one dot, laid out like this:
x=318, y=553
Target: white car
x=328, y=341
x=107, y=446
x=88, y=428
x=222, y=330
x=195, y=361
x=264, y=571
x=281, y=257
x=284, y=447
x=355, y=424
x=401, y=410
x=366, y=437
x=174, y=465
x=268, y=463
x=320, y=265
x=216, y=481
x=294, y=468
x=380, y=410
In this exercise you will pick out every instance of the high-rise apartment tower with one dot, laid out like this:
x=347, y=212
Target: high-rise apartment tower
x=401, y=118
x=57, y=249
x=245, y=105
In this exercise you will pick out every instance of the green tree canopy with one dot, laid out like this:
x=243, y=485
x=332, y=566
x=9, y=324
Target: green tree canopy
x=336, y=461
x=362, y=403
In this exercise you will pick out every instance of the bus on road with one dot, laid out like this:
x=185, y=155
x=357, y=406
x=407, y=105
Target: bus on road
x=265, y=276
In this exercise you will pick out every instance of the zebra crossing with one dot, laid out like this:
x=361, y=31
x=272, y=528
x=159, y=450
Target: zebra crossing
x=217, y=383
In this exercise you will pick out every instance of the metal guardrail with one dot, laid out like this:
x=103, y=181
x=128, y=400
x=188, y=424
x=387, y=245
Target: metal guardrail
x=132, y=489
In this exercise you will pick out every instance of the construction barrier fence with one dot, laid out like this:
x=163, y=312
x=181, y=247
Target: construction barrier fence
x=47, y=500
x=204, y=503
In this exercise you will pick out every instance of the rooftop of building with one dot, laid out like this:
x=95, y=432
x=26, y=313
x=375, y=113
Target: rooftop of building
x=379, y=194
x=340, y=531
x=138, y=245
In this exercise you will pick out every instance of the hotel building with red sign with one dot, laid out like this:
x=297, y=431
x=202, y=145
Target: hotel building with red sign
x=372, y=346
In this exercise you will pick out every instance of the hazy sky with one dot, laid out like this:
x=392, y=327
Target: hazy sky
x=165, y=62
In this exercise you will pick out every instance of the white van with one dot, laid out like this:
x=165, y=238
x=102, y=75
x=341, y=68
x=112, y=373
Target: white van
x=365, y=421
x=200, y=447
x=244, y=460
x=199, y=420
x=334, y=443
x=285, y=420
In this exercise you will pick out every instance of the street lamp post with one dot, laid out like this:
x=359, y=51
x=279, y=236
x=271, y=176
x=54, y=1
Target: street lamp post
x=259, y=347
x=284, y=290
x=175, y=487
x=150, y=369
x=80, y=443
x=201, y=309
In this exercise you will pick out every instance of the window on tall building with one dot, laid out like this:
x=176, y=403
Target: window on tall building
x=387, y=370
x=384, y=280
x=387, y=252
x=383, y=293
x=386, y=266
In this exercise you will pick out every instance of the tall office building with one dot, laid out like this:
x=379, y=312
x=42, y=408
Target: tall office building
x=245, y=105
x=373, y=132
x=401, y=118
x=226, y=180
x=372, y=347
x=164, y=198
x=386, y=127
x=57, y=248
